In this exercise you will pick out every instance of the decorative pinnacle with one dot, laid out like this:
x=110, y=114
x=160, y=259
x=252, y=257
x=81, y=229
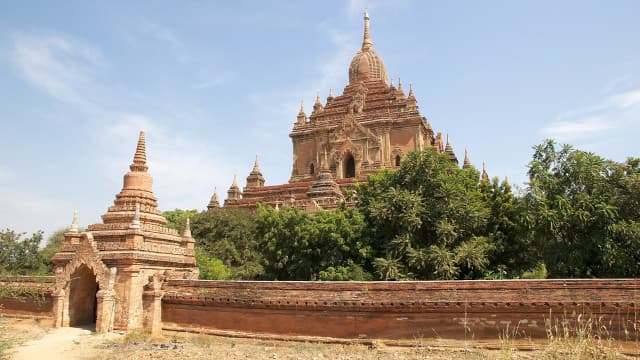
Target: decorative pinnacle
x=140, y=157
x=325, y=163
x=467, y=162
x=215, y=193
x=448, y=148
x=135, y=223
x=74, y=222
x=330, y=92
x=399, y=84
x=235, y=181
x=318, y=98
x=187, y=229
x=301, y=107
x=367, y=43
x=411, y=90
x=256, y=167
x=485, y=175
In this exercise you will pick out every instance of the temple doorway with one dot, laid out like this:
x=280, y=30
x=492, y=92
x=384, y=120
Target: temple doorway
x=349, y=166
x=82, y=297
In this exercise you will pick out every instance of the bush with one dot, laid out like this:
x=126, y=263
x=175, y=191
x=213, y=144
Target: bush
x=538, y=272
x=210, y=267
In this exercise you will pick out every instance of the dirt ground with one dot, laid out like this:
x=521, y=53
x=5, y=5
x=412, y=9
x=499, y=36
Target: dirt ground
x=30, y=339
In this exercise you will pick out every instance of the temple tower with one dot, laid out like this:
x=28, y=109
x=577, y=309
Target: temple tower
x=101, y=272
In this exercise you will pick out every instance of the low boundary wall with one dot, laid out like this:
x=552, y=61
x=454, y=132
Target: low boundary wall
x=402, y=310
x=26, y=296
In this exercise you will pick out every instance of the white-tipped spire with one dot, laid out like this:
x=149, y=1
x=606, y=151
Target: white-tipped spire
x=256, y=166
x=366, y=41
x=74, y=223
x=187, y=229
x=135, y=223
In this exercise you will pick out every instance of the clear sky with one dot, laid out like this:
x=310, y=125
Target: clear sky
x=215, y=82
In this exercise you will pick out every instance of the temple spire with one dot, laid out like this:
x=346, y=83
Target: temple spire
x=140, y=157
x=317, y=106
x=467, y=163
x=325, y=163
x=367, y=43
x=74, y=223
x=449, y=150
x=255, y=178
x=214, y=202
x=187, y=229
x=485, y=175
x=302, y=117
x=256, y=166
x=235, y=181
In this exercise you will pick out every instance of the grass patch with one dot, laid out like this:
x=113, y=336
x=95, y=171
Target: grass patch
x=137, y=336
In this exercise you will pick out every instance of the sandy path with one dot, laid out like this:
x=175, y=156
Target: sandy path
x=61, y=343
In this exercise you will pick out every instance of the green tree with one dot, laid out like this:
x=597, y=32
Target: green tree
x=210, y=267
x=229, y=235
x=177, y=219
x=509, y=230
x=427, y=220
x=19, y=255
x=299, y=246
x=52, y=246
x=585, y=212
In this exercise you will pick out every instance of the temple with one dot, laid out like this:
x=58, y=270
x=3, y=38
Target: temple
x=371, y=126
x=111, y=272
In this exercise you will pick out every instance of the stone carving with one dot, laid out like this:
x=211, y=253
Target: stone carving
x=357, y=101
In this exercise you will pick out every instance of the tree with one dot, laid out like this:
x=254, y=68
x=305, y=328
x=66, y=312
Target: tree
x=229, y=235
x=427, y=220
x=177, y=219
x=19, y=254
x=210, y=267
x=51, y=248
x=585, y=212
x=326, y=245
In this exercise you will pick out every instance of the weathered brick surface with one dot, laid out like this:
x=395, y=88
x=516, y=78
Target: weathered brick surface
x=453, y=309
x=24, y=305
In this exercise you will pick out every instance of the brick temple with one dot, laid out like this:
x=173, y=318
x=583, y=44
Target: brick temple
x=111, y=273
x=372, y=125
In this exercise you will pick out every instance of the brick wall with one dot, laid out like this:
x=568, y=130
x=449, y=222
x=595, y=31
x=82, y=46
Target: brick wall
x=26, y=296
x=400, y=310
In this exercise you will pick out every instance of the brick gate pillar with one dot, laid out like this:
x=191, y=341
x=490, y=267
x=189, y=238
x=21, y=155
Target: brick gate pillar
x=58, y=297
x=152, y=304
x=105, y=312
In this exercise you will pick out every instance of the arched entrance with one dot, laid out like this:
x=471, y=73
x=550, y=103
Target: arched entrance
x=82, y=296
x=349, y=166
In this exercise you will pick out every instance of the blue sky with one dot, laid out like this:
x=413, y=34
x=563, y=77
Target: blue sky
x=213, y=83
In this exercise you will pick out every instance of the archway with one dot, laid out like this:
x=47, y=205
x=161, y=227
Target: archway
x=82, y=296
x=349, y=166
x=312, y=169
x=397, y=160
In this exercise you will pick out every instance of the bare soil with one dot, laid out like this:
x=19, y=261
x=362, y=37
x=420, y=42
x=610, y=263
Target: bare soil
x=31, y=339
